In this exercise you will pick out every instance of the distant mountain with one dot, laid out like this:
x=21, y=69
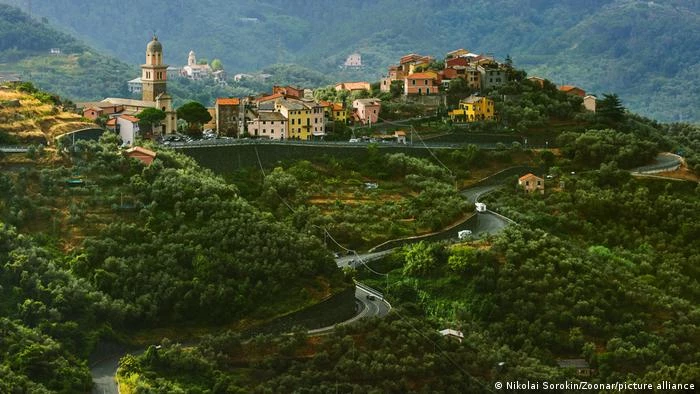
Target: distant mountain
x=77, y=72
x=645, y=51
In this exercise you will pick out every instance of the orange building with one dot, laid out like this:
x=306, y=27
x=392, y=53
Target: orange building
x=420, y=84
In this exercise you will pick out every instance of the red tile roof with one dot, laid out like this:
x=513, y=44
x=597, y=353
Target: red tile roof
x=269, y=98
x=143, y=154
x=138, y=149
x=353, y=86
x=422, y=76
x=227, y=101
x=528, y=176
x=130, y=118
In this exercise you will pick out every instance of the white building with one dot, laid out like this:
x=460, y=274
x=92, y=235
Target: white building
x=128, y=127
x=196, y=71
x=135, y=86
x=354, y=60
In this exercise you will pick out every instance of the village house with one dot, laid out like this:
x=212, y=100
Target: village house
x=270, y=125
x=305, y=118
x=146, y=156
x=474, y=109
x=573, y=90
x=454, y=334
x=531, y=183
x=128, y=128
x=400, y=136
x=353, y=86
x=537, y=80
x=492, y=77
x=411, y=62
x=334, y=112
x=589, y=102
x=227, y=113
x=93, y=113
x=288, y=91
x=366, y=111
x=425, y=83
x=135, y=85
x=581, y=366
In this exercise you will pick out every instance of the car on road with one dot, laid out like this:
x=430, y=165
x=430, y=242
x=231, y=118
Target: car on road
x=371, y=297
x=464, y=234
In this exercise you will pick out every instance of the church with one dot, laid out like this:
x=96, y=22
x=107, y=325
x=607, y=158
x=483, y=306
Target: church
x=154, y=95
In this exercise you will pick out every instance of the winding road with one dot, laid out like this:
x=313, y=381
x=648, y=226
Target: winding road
x=371, y=302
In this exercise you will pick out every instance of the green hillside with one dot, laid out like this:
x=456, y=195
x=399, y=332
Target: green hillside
x=638, y=49
x=78, y=72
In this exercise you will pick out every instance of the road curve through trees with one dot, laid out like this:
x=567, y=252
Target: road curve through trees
x=371, y=302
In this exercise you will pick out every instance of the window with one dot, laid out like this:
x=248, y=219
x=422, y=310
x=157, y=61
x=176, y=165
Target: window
x=413, y=82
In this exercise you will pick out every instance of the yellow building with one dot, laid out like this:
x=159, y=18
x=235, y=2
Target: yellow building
x=473, y=109
x=305, y=120
x=339, y=113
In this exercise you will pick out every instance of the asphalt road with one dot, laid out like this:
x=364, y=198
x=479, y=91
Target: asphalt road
x=104, y=372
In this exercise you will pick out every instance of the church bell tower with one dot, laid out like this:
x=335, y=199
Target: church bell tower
x=154, y=72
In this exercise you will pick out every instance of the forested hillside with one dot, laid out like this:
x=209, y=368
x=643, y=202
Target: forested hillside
x=645, y=51
x=95, y=245
x=78, y=73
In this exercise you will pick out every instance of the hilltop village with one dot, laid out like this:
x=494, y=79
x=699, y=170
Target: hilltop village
x=457, y=88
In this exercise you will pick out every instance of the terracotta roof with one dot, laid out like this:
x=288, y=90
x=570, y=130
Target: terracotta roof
x=269, y=98
x=353, y=85
x=409, y=58
x=400, y=133
x=130, y=118
x=338, y=106
x=227, y=101
x=426, y=75
x=96, y=109
x=112, y=122
x=138, y=149
x=528, y=176
x=325, y=103
x=566, y=88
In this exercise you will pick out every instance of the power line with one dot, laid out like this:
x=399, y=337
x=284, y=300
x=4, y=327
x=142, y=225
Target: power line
x=444, y=354
x=273, y=188
x=413, y=130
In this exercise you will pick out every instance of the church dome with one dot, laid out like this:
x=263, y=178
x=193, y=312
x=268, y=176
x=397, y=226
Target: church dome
x=154, y=46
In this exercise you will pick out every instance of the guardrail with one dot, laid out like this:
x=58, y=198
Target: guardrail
x=13, y=148
x=671, y=162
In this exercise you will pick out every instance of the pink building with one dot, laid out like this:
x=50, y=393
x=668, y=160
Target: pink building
x=270, y=125
x=420, y=84
x=367, y=111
